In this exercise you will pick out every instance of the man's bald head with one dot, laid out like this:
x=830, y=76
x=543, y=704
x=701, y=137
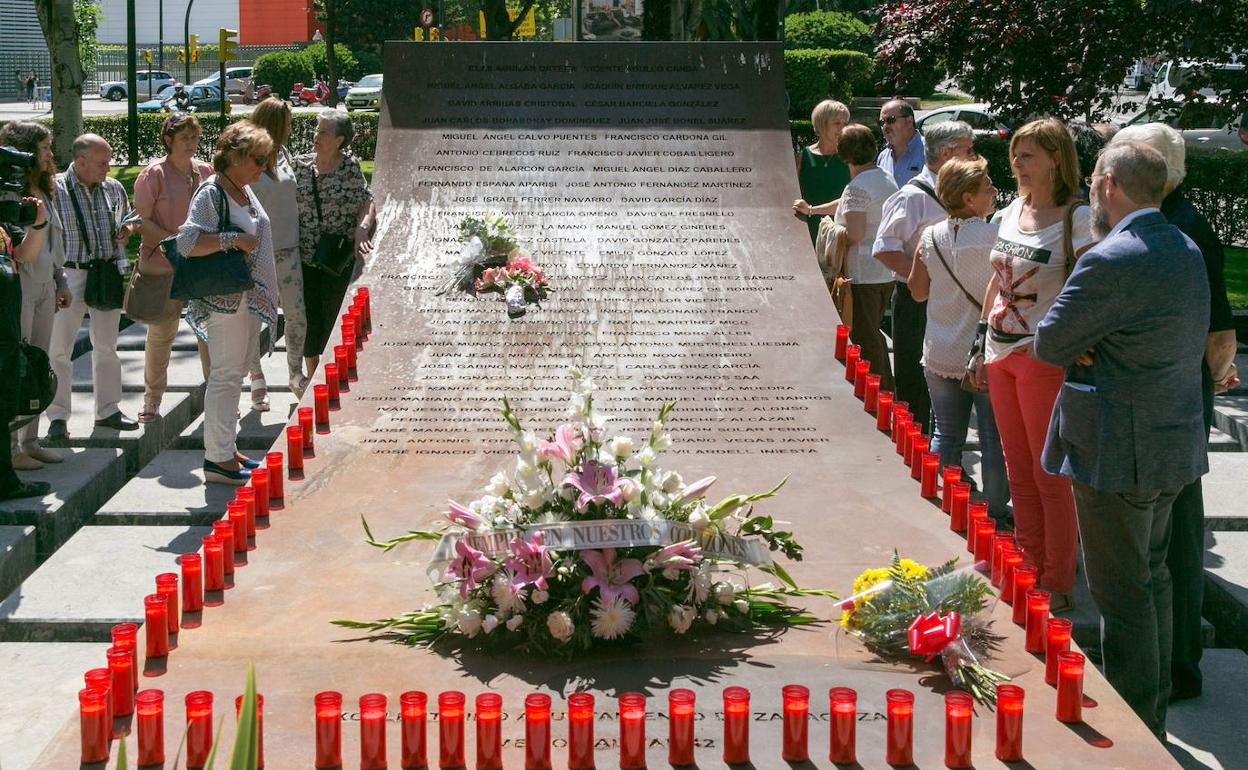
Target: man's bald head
x=92, y=155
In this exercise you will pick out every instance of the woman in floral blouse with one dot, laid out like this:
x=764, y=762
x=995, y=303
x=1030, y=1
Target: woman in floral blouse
x=333, y=174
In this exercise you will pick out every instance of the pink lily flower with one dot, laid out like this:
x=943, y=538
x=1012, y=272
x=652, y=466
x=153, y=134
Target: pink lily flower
x=611, y=577
x=694, y=491
x=598, y=483
x=565, y=445
x=674, y=558
x=460, y=515
x=470, y=566
x=530, y=562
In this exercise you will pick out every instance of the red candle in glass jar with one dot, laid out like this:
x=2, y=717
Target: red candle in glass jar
x=121, y=666
x=373, y=731
x=977, y=509
x=126, y=636
x=632, y=717
x=843, y=704
x=224, y=531
x=680, y=710
x=899, y=408
x=320, y=402
x=883, y=410
x=842, y=341
x=1009, y=722
x=796, y=705
x=901, y=423
x=304, y=415
x=352, y=359
x=537, y=731
x=340, y=361
x=489, y=731
x=927, y=478
x=736, y=725
x=260, y=483
x=102, y=679
x=1037, y=614
x=214, y=563
x=959, y=498
x=192, y=582
x=949, y=475
x=451, y=729
x=236, y=511
x=871, y=393
x=331, y=384
x=1056, y=641
x=348, y=328
x=149, y=708
x=1000, y=541
x=852, y=354
x=899, y=751
x=581, y=731
x=198, y=728
x=247, y=496
x=359, y=329
x=973, y=519
x=156, y=626
x=984, y=530
x=1024, y=581
x=93, y=725
x=959, y=707
x=167, y=586
x=412, y=712
x=912, y=437
x=1011, y=560
x=918, y=448
x=294, y=448
x=238, y=710
x=861, y=370
x=273, y=462
x=1070, y=687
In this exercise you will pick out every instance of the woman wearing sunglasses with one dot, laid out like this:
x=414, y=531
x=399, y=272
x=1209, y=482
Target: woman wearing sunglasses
x=229, y=324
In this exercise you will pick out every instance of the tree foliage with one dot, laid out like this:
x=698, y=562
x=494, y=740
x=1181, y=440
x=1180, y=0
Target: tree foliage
x=348, y=66
x=827, y=29
x=87, y=16
x=282, y=69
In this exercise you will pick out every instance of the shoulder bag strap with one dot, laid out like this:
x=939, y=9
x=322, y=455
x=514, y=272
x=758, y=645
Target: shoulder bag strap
x=927, y=188
x=82, y=223
x=1068, y=236
x=970, y=297
x=316, y=197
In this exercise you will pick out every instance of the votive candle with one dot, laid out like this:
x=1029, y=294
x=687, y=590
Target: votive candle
x=913, y=434
x=842, y=341
x=126, y=636
x=1000, y=540
x=1057, y=640
x=1009, y=722
x=413, y=715
x=736, y=725
x=1037, y=614
x=959, y=497
x=304, y=415
x=358, y=330
x=373, y=731
x=581, y=731
x=680, y=710
x=102, y=679
x=93, y=725
x=340, y=363
x=450, y=729
x=901, y=424
x=632, y=715
x=899, y=408
x=167, y=586
x=861, y=370
x=352, y=359
x=977, y=509
x=489, y=731
x=927, y=479
x=1024, y=581
x=214, y=563
x=294, y=448
x=959, y=707
x=984, y=530
x=331, y=383
x=917, y=449
x=871, y=394
x=247, y=496
x=899, y=750
x=1070, y=687
x=236, y=511
x=149, y=707
x=156, y=626
x=260, y=483
x=320, y=400
x=949, y=475
x=273, y=463
x=852, y=354
x=238, y=711
x=198, y=728
x=192, y=582
x=973, y=518
x=843, y=702
x=348, y=328
x=1011, y=560
x=224, y=530
x=796, y=705
x=121, y=666
x=537, y=731
x=883, y=410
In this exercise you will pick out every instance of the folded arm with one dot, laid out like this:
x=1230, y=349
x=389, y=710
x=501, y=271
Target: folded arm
x=1084, y=313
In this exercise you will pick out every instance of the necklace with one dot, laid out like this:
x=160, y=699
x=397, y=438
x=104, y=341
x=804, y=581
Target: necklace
x=251, y=209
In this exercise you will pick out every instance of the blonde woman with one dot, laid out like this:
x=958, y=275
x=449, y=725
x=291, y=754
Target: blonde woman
x=821, y=174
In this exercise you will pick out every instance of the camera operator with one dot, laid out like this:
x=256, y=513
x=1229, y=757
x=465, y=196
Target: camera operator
x=44, y=287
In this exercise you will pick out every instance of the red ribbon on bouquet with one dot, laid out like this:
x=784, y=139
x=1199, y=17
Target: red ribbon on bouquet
x=929, y=634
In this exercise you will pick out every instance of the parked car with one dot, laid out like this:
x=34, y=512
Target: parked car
x=115, y=90
x=1202, y=124
x=365, y=95
x=203, y=99
x=1171, y=80
x=235, y=80
x=977, y=115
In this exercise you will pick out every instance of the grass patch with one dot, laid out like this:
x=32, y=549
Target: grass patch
x=1237, y=276
x=943, y=99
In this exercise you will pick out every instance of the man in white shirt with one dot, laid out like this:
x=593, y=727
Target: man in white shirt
x=906, y=214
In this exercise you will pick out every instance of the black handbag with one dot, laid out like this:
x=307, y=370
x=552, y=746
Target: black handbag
x=105, y=288
x=36, y=382
x=334, y=252
x=224, y=272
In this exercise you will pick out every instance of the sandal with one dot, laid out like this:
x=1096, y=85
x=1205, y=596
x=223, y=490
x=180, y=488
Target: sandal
x=259, y=395
x=150, y=411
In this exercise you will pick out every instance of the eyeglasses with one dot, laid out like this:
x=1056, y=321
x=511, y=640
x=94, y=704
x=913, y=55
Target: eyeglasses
x=891, y=119
x=261, y=160
x=1088, y=181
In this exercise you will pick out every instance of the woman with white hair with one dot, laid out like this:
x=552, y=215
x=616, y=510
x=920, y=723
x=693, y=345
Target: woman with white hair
x=821, y=175
x=1187, y=517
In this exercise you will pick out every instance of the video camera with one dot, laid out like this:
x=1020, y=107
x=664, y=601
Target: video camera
x=14, y=166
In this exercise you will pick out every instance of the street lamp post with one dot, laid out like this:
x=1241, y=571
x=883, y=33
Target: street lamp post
x=186, y=38
x=161, y=32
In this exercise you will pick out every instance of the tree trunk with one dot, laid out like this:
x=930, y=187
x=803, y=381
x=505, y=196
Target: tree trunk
x=498, y=22
x=60, y=31
x=686, y=19
x=331, y=60
x=656, y=20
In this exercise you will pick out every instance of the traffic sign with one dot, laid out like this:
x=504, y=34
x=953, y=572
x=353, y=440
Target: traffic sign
x=426, y=17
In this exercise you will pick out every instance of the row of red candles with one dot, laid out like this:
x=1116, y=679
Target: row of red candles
x=163, y=610
x=327, y=710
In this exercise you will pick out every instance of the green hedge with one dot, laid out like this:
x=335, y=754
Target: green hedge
x=346, y=65
x=827, y=29
x=282, y=69
x=812, y=75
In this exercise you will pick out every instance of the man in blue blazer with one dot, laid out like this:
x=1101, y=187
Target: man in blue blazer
x=1130, y=326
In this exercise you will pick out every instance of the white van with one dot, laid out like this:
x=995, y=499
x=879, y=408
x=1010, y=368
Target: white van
x=1171, y=78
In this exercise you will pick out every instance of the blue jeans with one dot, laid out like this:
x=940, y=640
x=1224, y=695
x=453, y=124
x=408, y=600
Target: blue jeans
x=951, y=415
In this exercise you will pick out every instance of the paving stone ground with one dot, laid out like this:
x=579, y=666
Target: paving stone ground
x=1208, y=732
x=37, y=691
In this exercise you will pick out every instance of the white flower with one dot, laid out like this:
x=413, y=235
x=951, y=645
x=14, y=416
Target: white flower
x=699, y=520
x=681, y=617
x=742, y=606
x=580, y=406
x=724, y=593
x=515, y=622
x=662, y=441
x=489, y=623
x=655, y=430
x=504, y=597
x=535, y=498
x=621, y=447
x=470, y=250
x=528, y=443
x=498, y=485
x=712, y=617
x=660, y=500
x=470, y=623
x=613, y=620
x=647, y=457
x=672, y=482
x=538, y=596
x=630, y=492
x=648, y=513
x=560, y=625
x=700, y=585
x=568, y=493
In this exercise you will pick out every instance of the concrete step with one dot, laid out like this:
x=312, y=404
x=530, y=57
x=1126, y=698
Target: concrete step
x=94, y=581
x=80, y=485
x=39, y=691
x=1226, y=507
x=185, y=372
x=1230, y=415
x=169, y=490
x=256, y=430
x=17, y=556
x=177, y=410
x=1207, y=733
x=1226, y=586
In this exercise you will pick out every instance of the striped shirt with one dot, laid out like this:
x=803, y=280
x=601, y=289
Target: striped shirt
x=103, y=209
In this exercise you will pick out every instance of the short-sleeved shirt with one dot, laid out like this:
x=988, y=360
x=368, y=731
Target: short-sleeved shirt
x=103, y=209
x=1031, y=271
x=162, y=196
x=966, y=245
x=280, y=198
x=907, y=213
x=866, y=193
x=908, y=166
x=342, y=192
